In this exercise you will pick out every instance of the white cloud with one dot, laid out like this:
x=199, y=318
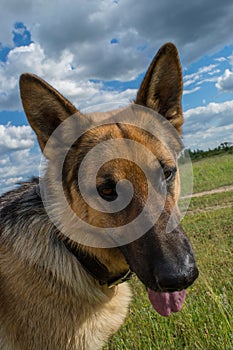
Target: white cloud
x=17, y=166
x=15, y=138
x=17, y=161
x=211, y=109
x=215, y=71
x=207, y=126
x=225, y=81
x=207, y=80
x=211, y=138
x=86, y=29
x=73, y=46
x=187, y=92
x=205, y=74
x=195, y=77
x=220, y=59
x=59, y=72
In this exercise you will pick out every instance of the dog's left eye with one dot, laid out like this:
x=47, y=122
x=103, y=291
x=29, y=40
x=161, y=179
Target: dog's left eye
x=107, y=191
x=169, y=174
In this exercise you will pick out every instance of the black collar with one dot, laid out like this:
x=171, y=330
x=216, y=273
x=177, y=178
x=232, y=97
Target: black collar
x=95, y=268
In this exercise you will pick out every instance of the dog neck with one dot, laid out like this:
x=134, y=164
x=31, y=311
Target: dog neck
x=95, y=268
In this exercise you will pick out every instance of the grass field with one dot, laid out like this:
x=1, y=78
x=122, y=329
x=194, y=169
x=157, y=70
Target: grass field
x=207, y=174
x=206, y=320
x=213, y=172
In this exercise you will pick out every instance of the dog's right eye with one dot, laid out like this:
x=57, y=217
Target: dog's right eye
x=107, y=191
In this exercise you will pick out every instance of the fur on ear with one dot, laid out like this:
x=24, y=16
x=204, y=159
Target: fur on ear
x=44, y=106
x=161, y=88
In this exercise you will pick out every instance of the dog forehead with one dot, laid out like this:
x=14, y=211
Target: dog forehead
x=124, y=139
x=142, y=125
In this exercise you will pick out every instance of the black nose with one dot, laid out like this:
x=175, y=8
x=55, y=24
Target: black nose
x=163, y=261
x=172, y=277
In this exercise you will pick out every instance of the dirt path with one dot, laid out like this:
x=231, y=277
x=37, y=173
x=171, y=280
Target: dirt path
x=206, y=209
x=215, y=190
x=214, y=207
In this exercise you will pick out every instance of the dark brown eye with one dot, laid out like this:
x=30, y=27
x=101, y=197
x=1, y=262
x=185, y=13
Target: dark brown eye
x=169, y=174
x=107, y=191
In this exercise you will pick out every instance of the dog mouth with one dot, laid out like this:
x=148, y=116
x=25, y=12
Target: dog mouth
x=167, y=302
x=165, y=264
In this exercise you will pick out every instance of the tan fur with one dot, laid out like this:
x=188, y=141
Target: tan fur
x=47, y=300
x=68, y=309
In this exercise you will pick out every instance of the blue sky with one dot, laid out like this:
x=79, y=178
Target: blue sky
x=94, y=53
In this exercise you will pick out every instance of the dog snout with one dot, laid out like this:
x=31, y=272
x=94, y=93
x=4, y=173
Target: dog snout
x=176, y=268
x=174, y=276
x=163, y=261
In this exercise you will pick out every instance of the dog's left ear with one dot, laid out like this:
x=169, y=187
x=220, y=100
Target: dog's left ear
x=44, y=106
x=161, y=88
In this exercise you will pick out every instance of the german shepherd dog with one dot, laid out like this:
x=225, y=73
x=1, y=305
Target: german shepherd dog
x=59, y=293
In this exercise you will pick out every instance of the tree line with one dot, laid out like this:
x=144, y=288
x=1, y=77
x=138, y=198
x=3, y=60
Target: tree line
x=223, y=148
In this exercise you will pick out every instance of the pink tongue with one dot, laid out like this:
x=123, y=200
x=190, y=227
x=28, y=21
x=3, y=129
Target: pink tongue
x=166, y=303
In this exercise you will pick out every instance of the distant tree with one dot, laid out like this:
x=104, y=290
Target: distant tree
x=223, y=148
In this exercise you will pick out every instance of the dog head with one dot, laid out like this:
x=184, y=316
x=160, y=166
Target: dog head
x=163, y=259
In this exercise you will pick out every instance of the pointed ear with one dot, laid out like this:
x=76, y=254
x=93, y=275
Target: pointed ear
x=44, y=106
x=162, y=86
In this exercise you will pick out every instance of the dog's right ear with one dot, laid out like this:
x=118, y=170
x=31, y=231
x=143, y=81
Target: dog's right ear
x=44, y=106
x=161, y=88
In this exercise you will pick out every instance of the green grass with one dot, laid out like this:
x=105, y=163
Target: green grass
x=213, y=172
x=206, y=174
x=206, y=320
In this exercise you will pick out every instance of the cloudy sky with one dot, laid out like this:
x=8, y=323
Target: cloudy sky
x=97, y=51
